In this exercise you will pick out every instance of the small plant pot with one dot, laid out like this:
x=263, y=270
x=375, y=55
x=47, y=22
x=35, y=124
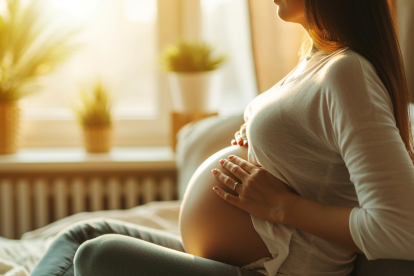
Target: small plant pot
x=194, y=92
x=9, y=127
x=97, y=139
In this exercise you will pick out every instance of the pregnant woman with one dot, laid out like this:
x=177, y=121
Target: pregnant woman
x=328, y=170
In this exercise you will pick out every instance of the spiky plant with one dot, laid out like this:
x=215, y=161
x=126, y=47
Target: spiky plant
x=29, y=48
x=190, y=57
x=94, y=107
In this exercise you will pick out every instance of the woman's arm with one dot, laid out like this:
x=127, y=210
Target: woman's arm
x=268, y=198
x=359, y=125
x=330, y=223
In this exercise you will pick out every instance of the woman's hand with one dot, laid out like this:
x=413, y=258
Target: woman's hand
x=260, y=193
x=240, y=138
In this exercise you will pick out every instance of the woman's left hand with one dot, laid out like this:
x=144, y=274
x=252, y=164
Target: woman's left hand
x=260, y=193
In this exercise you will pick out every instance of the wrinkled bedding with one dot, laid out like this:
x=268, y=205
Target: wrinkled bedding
x=19, y=257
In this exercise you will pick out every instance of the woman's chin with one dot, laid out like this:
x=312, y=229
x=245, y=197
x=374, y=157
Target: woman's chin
x=213, y=228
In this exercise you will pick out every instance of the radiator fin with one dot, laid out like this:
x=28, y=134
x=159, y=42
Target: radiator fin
x=41, y=203
x=78, y=195
x=7, y=208
x=24, y=214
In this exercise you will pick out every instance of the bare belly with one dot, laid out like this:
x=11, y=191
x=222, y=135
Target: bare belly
x=212, y=228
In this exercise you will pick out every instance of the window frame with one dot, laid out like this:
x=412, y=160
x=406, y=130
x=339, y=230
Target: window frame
x=177, y=19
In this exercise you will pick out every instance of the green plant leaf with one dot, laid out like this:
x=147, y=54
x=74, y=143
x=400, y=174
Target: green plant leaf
x=29, y=47
x=190, y=57
x=94, y=106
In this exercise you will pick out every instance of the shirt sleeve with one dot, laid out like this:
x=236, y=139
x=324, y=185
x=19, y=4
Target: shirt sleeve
x=366, y=136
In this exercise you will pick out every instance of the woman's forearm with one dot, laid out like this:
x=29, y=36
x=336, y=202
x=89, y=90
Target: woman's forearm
x=266, y=197
x=327, y=222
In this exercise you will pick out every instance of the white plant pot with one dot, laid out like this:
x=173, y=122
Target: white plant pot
x=194, y=92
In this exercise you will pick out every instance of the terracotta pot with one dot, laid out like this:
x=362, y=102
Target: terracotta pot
x=194, y=92
x=98, y=139
x=9, y=127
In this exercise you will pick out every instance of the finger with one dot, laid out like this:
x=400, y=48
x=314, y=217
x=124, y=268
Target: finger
x=233, y=142
x=228, y=181
x=236, y=170
x=224, y=178
x=239, y=139
x=235, y=200
x=236, y=134
x=243, y=133
x=245, y=165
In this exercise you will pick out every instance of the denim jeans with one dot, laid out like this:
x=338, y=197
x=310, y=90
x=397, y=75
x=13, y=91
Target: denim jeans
x=109, y=247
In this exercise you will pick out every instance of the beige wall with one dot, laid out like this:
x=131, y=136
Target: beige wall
x=276, y=44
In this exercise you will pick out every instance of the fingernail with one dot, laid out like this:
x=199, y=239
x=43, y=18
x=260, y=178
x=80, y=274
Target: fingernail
x=214, y=171
x=221, y=162
x=231, y=157
x=215, y=189
x=234, y=142
x=241, y=142
x=246, y=144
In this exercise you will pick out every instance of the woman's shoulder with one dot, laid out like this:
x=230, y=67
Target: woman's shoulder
x=351, y=79
x=351, y=71
x=349, y=63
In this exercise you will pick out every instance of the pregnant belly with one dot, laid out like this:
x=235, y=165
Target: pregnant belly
x=212, y=228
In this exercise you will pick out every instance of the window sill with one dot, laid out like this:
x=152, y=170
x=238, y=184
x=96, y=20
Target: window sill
x=70, y=159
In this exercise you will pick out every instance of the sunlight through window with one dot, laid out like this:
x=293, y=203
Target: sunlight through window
x=118, y=44
x=140, y=10
x=78, y=10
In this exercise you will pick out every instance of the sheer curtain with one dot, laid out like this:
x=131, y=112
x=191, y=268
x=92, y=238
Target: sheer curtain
x=226, y=25
x=276, y=44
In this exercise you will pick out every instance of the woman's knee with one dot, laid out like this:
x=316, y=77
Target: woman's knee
x=96, y=255
x=114, y=254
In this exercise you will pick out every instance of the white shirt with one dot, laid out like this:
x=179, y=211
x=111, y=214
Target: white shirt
x=331, y=135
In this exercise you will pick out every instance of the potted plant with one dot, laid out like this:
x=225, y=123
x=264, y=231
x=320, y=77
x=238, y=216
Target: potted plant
x=94, y=115
x=191, y=67
x=28, y=49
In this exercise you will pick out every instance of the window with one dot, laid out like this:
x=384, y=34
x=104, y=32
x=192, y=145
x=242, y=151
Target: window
x=118, y=44
x=226, y=24
x=121, y=40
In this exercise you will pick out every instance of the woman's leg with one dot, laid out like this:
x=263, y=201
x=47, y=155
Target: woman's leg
x=58, y=259
x=96, y=254
x=119, y=255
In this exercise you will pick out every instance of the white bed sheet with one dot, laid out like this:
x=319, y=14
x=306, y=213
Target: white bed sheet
x=19, y=257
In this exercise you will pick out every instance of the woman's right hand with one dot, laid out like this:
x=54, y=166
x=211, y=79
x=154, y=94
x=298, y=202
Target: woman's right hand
x=240, y=137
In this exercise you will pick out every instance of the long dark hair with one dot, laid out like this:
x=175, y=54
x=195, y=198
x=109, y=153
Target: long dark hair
x=368, y=28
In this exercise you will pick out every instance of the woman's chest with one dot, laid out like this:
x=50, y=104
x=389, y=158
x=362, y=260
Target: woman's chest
x=284, y=116
x=287, y=135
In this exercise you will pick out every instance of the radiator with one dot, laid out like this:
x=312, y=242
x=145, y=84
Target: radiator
x=31, y=202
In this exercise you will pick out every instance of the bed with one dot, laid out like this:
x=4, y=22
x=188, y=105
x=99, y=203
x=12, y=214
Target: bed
x=19, y=257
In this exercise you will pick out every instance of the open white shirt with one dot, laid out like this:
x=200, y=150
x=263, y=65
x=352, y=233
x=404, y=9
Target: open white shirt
x=331, y=135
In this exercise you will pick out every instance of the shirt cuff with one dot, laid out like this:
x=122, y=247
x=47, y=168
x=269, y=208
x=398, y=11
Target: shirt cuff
x=356, y=231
